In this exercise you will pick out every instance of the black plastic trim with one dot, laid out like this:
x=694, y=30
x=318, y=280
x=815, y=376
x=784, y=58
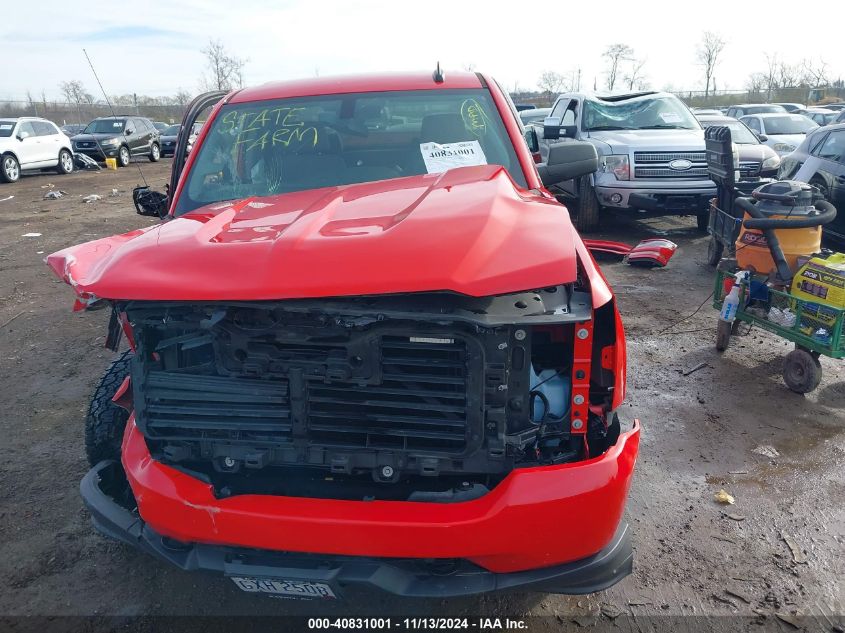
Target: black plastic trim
x=402, y=577
x=678, y=202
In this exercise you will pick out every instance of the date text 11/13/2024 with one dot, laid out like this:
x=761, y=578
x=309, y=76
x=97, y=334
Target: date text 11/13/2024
x=418, y=624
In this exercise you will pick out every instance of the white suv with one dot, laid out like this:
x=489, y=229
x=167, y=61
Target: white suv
x=29, y=143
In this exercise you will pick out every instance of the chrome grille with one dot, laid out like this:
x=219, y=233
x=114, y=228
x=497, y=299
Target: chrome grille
x=749, y=167
x=665, y=157
x=656, y=165
x=648, y=172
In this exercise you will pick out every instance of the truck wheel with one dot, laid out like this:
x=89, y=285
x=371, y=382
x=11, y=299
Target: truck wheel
x=587, y=218
x=723, y=335
x=802, y=371
x=702, y=221
x=106, y=421
x=714, y=251
x=123, y=156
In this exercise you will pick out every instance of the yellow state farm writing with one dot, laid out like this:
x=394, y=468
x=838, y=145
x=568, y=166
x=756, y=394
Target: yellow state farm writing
x=285, y=127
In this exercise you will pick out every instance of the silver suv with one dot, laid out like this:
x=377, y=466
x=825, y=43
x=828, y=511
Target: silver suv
x=651, y=155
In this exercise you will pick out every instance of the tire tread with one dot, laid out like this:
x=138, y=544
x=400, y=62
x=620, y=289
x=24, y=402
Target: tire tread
x=106, y=421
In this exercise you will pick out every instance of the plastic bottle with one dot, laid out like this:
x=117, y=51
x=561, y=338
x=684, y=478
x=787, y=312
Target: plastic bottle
x=731, y=302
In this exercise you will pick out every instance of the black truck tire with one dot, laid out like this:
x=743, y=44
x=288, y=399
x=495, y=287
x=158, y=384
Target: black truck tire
x=723, y=335
x=587, y=218
x=106, y=421
x=802, y=371
x=714, y=251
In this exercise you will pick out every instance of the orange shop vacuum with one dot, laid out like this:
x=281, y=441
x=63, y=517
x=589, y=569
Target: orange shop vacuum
x=783, y=221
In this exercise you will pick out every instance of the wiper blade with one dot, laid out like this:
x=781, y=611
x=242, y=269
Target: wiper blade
x=599, y=128
x=664, y=126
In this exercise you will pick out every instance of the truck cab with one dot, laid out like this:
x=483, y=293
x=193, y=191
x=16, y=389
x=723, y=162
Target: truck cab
x=651, y=155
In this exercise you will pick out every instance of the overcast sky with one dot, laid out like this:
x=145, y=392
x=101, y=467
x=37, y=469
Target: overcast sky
x=153, y=47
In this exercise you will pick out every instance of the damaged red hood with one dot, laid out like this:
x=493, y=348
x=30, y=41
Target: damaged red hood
x=468, y=230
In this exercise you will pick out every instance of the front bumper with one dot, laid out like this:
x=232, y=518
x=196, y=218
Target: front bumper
x=665, y=198
x=96, y=153
x=553, y=525
x=405, y=577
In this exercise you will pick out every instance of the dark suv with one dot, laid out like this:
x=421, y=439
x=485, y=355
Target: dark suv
x=120, y=137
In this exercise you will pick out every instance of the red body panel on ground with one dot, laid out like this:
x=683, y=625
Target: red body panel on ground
x=571, y=509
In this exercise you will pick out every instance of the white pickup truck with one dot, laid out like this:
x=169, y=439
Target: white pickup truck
x=651, y=151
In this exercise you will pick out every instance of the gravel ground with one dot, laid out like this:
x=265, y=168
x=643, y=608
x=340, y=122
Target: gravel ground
x=778, y=550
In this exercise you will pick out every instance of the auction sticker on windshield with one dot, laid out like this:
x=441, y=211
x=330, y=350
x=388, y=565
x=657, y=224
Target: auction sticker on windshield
x=286, y=588
x=439, y=158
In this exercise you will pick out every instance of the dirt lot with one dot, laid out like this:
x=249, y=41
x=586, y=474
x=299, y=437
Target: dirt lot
x=699, y=432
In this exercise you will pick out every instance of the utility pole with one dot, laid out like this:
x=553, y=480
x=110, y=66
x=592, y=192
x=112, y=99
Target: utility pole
x=135, y=100
x=578, y=82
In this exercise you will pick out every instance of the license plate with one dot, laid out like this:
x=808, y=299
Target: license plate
x=288, y=588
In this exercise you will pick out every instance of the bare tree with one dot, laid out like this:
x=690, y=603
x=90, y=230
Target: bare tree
x=756, y=83
x=32, y=104
x=770, y=78
x=708, y=53
x=790, y=76
x=635, y=78
x=615, y=54
x=551, y=83
x=75, y=93
x=469, y=67
x=182, y=97
x=815, y=74
x=225, y=70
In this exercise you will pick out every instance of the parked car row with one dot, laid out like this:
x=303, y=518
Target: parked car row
x=33, y=143
x=806, y=144
x=820, y=161
x=651, y=150
x=756, y=159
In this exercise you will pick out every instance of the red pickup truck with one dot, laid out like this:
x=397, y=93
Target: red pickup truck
x=365, y=346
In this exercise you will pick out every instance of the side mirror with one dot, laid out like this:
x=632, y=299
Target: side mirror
x=531, y=140
x=568, y=161
x=129, y=131
x=763, y=138
x=551, y=128
x=149, y=202
x=22, y=136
